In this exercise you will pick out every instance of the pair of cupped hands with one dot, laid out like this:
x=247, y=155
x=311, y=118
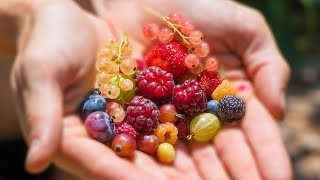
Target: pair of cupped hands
x=55, y=69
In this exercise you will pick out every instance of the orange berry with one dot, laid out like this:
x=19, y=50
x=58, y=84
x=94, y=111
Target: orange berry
x=225, y=88
x=167, y=132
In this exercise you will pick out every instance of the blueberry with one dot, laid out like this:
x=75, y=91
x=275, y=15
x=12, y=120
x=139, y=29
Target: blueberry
x=212, y=107
x=100, y=126
x=94, y=103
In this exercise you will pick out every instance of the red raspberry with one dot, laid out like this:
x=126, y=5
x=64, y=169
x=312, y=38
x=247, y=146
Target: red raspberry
x=209, y=81
x=142, y=114
x=189, y=98
x=183, y=128
x=170, y=57
x=125, y=128
x=154, y=83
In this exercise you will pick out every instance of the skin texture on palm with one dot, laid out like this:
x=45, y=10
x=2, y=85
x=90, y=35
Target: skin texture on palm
x=59, y=47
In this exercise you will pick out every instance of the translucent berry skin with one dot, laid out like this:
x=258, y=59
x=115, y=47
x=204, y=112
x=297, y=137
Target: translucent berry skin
x=155, y=83
x=103, y=78
x=151, y=31
x=94, y=103
x=124, y=145
x=191, y=61
x=224, y=89
x=110, y=106
x=195, y=37
x=148, y=143
x=125, y=128
x=189, y=98
x=209, y=81
x=187, y=27
x=142, y=114
x=202, y=50
x=231, y=108
x=212, y=107
x=166, y=153
x=167, y=113
x=165, y=35
x=175, y=18
x=204, y=127
x=169, y=57
x=117, y=114
x=166, y=132
x=212, y=64
x=183, y=128
x=100, y=126
x=128, y=66
x=125, y=84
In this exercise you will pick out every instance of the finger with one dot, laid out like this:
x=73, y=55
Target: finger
x=91, y=159
x=264, y=138
x=41, y=108
x=207, y=161
x=235, y=154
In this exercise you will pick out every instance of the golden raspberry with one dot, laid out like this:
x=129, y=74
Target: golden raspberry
x=166, y=132
x=224, y=89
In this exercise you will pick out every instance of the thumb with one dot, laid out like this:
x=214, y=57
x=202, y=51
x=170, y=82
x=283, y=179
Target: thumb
x=40, y=104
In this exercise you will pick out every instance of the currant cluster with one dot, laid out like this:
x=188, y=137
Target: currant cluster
x=177, y=96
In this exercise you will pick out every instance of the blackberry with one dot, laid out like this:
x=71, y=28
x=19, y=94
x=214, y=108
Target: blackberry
x=189, y=98
x=231, y=108
x=142, y=114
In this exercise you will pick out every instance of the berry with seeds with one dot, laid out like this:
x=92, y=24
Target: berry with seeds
x=110, y=106
x=148, y=143
x=169, y=57
x=125, y=84
x=191, y=61
x=212, y=107
x=117, y=114
x=204, y=127
x=202, y=50
x=224, y=89
x=142, y=114
x=154, y=83
x=187, y=27
x=231, y=108
x=166, y=132
x=125, y=128
x=165, y=35
x=189, y=98
x=183, y=128
x=100, y=126
x=124, y=145
x=151, y=31
x=195, y=37
x=175, y=18
x=128, y=66
x=166, y=153
x=209, y=81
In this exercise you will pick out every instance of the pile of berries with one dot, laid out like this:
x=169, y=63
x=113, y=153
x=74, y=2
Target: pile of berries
x=178, y=95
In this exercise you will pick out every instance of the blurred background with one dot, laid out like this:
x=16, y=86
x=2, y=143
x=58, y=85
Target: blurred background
x=296, y=26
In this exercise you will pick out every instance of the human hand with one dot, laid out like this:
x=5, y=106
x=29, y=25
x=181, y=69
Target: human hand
x=240, y=38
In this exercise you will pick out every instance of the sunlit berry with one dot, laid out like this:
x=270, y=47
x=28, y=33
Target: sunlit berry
x=165, y=35
x=195, y=37
x=151, y=31
x=127, y=49
x=125, y=84
x=128, y=66
x=175, y=18
x=103, y=78
x=110, y=43
x=109, y=91
x=191, y=61
x=187, y=27
x=202, y=50
x=117, y=114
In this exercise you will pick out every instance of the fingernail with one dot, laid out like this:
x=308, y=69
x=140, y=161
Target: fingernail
x=32, y=155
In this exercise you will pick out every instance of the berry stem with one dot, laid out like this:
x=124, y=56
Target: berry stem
x=189, y=137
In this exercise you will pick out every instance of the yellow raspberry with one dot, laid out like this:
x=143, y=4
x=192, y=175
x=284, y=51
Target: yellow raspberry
x=224, y=89
x=166, y=132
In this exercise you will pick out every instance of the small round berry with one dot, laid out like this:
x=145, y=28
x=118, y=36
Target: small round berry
x=151, y=31
x=103, y=78
x=175, y=19
x=187, y=27
x=94, y=103
x=198, y=69
x=166, y=153
x=105, y=54
x=231, y=108
x=117, y=114
x=204, y=127
x=202, y=50
x=125, y=84
x=110, y=43
x=127, y=49
x=165, y=35
x=112, y=91
x=125, y=128
x=110, y=105
x=224, y=89
x=124, y=145
x=148, y=143
x=128, y=66
x=167, y=113
x=100, y=126
x=209, y=81
x=212, y=64
x=195, y=37
x=191, y=61
x=166, y=132
x=212, y=107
